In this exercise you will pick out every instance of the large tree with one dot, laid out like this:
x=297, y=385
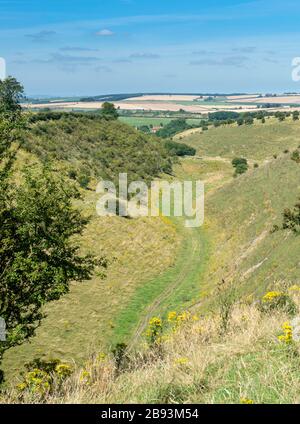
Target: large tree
x=109, y=111
x=38, y=257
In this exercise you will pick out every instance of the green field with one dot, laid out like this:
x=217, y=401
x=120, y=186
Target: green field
x=139, y=121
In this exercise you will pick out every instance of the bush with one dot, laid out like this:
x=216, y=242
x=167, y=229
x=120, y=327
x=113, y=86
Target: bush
x=240, y=165
x=291, y=219
x=173, y=127
x=296, y=156
x=83, y=180
x=41, y=376
x=179, y=149
x=277, y=300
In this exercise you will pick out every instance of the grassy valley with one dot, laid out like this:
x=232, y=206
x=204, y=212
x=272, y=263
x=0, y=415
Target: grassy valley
x=156, y=265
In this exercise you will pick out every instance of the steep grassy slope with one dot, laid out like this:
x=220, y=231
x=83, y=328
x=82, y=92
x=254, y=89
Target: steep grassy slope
x=241, y=217
x=93, y=146
x=257, y=142
x=137, y=250
x=86, y=319
x=196, y=363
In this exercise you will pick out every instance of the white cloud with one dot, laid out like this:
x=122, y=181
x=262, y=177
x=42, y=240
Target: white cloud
x=105, y=33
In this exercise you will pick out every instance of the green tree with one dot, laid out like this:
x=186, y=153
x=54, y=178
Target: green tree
x=11, y=93
x=249, y=120
x=179, y=149
x=37, y=256
x=12, y=122
x=109, y=111
x=291, y=219
x=240, y=165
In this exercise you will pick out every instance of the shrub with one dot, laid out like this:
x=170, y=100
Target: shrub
x=296, y=156
x=291, y=219
x=154, y=330
x=240, y=165
x=119, y=353
x=173, y=127
x=83, y=180
x=277, y=300
x=179, y=149
x=41, y=376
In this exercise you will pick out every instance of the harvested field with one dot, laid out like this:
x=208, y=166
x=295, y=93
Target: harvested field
x=164, y=97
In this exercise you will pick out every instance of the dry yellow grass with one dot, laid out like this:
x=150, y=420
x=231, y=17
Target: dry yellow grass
x=163, y=97
x=278, y=99
x=84, y=320
x=196, y=364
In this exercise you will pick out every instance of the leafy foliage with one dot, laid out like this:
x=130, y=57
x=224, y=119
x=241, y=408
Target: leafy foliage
x=291, y=218
x=240, y=165
x=37, y=258
x=223, y=115
x=109, y=111
x=93, y=146
x=180, y=149
x=173, y=127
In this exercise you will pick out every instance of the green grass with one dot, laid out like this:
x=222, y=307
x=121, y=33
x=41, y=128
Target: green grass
x=85, y=320
x=180, y=285
x=241, y=216
x=175, y=289
x=257, y=142
x=159, y=265
x=139, y=121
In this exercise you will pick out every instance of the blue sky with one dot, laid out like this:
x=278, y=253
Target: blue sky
x=85, y=47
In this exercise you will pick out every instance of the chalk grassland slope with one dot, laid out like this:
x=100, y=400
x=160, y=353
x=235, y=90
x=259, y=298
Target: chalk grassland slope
x=178, y=288
x=242, y=215
x=84, y=320
x=98, y=147
x=199, y=365
x=137, y=250
x=258, y=141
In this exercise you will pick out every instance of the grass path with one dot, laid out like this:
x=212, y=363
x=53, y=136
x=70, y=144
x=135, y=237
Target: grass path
x=177, y=287
x=182, y=283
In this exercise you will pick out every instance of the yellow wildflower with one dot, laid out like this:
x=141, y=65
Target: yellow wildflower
x=85, y=377
x=63, y=370
x=270, y=296
x=172, y=316
x=246, y=401
x=181, y=361
x=287, y=336
x=294, y=288
x=101, y=357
